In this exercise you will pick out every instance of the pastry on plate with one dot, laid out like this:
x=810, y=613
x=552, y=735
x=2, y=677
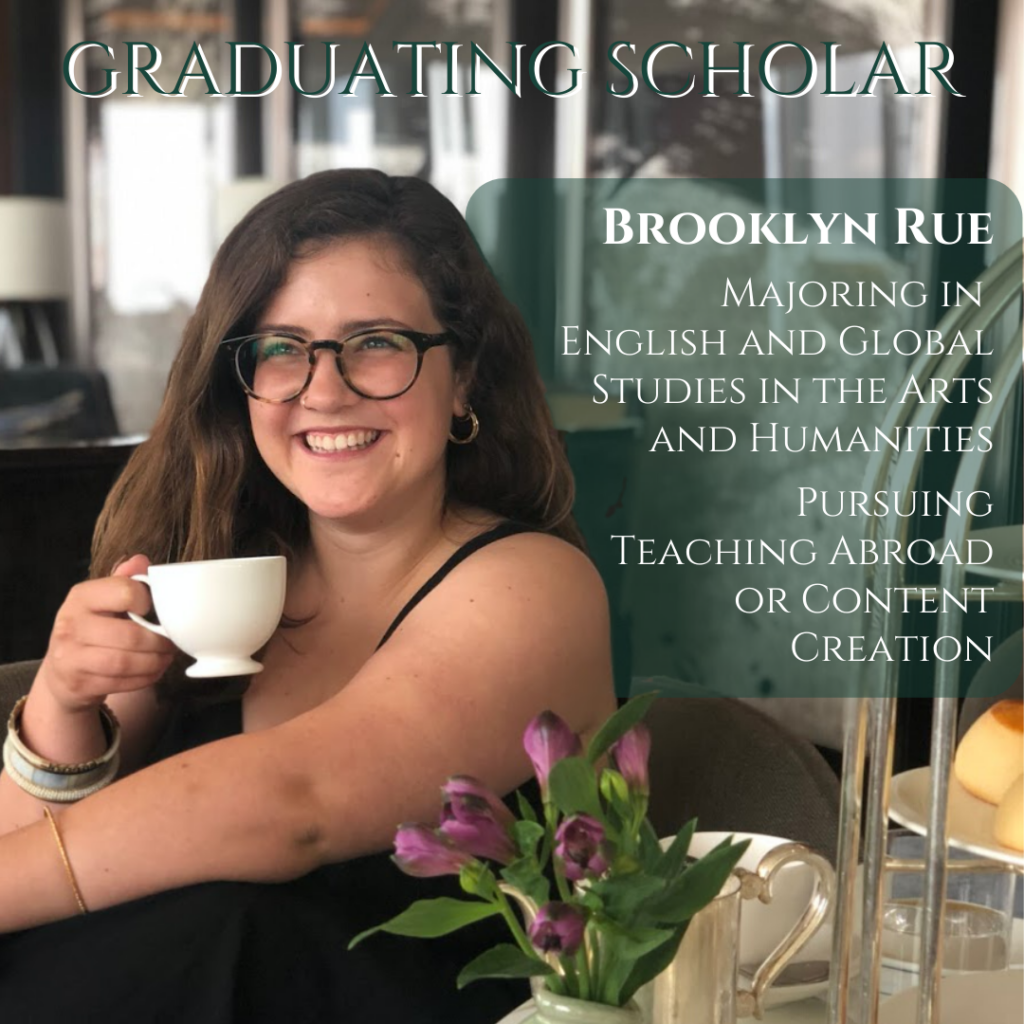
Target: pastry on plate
x=990, y=757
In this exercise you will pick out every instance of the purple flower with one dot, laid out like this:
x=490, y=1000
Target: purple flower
x=557, y=928
x=631, y=752
x=547, y=740
x=475, y=820
x=421, y=852
x=466, y=789
x=579, y=842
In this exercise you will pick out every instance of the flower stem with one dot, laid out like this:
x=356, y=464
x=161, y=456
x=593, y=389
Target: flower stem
x=514, y=926
x=601, y=964
x=583, y=973
x=550, y=821
x=563, y=886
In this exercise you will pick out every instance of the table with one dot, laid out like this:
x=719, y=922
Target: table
x=813, y=1011
x=808, y=1011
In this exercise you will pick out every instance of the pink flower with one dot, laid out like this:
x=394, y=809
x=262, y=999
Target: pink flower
x=422, y=853
x=579, y=844
x=476, y=821
x=547, y=740
x=557, y=928
x=630, y=753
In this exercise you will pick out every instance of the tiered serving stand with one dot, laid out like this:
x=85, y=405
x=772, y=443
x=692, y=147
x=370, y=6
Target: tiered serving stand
x=871, y=718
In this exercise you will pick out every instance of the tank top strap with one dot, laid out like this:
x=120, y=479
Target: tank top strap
x=506, y=529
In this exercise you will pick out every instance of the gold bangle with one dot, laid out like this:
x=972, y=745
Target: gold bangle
x=67, y=864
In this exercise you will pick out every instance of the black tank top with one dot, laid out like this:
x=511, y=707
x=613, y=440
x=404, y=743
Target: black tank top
x=242, y=953
x=502, y=530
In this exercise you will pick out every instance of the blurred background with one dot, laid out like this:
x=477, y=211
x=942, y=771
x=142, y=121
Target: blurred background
x=111, y=210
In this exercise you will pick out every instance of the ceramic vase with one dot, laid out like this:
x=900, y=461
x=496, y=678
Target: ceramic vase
x=554, y=1009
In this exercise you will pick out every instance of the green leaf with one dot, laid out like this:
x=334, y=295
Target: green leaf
x=651, y=853
x=614, y=826
x=572, y=787
x=674, y=859
x=651, y=965
x=622, y=895
x=622, y=950
x=621, y=722
x=504, y=961
x=428, y=919
x=525, y=875
x=526, y=811
x=527, y=835
x=696, y=887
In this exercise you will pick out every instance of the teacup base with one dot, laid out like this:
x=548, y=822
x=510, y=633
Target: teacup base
x=212, y=668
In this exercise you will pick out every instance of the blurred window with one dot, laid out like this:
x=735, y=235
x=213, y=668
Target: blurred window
x=153, y=168
x=457, y=145
x=744, y=137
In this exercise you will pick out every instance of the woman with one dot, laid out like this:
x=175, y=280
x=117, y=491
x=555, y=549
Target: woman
x=436, y=601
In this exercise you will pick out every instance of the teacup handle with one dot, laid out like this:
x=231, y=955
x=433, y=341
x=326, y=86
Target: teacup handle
x=153, y=627
x=758, y=884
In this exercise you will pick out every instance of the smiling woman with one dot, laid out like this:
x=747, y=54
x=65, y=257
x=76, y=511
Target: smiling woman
x=361, y=398
x=393, y=447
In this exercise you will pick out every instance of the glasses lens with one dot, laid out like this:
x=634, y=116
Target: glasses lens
x=272, y=368
x=380, y=364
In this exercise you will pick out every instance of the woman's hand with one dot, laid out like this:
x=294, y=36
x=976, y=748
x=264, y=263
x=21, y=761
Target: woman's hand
x=95, y=654
x=94, y=650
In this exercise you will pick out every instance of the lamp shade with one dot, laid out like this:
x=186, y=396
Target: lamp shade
x=34, y=249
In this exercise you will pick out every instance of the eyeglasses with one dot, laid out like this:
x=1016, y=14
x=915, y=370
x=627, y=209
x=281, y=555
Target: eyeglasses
x=378, y=364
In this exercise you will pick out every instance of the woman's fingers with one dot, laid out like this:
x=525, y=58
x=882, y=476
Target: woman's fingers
x=122, y=666
x=114, y=595
x=122, y=634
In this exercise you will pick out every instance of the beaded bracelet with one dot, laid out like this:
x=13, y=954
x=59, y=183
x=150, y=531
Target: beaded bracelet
x=55, y=782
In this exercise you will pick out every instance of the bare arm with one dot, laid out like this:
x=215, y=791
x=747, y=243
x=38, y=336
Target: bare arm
x=520, y=627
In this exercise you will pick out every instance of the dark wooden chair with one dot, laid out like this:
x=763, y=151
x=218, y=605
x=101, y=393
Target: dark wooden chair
x=15, y=680
x=55, y=403
x=735, y=769
x=50, y=497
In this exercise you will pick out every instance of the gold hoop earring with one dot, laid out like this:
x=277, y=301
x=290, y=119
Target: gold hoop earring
x=471, y=418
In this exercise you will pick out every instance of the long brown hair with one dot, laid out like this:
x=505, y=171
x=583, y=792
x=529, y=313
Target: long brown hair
x=198, y=488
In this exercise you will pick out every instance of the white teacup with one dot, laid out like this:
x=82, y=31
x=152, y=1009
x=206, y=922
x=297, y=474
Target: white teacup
x=220, y=612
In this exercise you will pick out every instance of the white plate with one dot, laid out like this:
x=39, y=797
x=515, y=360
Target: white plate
x=985, y=997
x=970, y=819
x=1007, y=553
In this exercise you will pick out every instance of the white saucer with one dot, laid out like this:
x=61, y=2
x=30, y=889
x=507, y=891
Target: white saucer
x=971, y=820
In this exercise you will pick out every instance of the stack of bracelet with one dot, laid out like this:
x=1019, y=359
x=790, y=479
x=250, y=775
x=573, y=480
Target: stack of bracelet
x=60, y=783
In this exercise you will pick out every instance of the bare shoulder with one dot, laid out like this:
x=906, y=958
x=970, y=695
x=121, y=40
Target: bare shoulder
x=518, y=627
x=532, y=567
x=529, y=614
